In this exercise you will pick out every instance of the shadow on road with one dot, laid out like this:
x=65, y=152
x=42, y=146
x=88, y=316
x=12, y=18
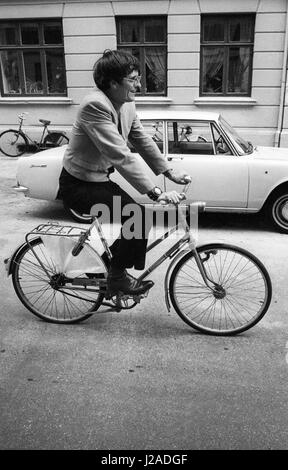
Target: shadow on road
x=141, y=323
x=235, y=222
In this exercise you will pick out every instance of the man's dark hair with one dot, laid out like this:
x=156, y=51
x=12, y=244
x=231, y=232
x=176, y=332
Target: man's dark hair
x=113, y=65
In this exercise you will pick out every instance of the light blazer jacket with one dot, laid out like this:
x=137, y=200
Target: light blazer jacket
x=96, y=144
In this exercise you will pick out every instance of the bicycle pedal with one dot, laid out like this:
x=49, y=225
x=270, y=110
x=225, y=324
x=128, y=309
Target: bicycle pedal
x=138, y=298
x=109, y=294
x=122, y=297
x=119, y=295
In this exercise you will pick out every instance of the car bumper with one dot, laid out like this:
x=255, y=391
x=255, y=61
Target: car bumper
x=20, y=189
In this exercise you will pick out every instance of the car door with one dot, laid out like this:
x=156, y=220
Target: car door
x=218, y=177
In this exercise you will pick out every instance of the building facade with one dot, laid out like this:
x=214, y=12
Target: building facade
x=218, y=55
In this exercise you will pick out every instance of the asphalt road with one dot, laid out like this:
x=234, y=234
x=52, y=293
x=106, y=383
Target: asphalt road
x=141, y=379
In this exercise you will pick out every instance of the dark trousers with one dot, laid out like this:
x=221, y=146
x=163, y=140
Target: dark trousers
x=127, y=251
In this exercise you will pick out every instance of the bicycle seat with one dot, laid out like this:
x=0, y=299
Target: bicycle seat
x=46, y=123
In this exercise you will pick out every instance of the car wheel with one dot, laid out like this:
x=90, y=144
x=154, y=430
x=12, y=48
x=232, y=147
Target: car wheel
x=83, y=219
x=278, y=211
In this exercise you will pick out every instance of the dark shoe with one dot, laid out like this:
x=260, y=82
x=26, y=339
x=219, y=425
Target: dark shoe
x=126, y=284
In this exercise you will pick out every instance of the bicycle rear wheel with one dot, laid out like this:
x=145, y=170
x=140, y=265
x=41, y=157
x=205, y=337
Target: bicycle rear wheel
x=42, y=294
x=239, y=302
x=55, y=139
x=13, y=143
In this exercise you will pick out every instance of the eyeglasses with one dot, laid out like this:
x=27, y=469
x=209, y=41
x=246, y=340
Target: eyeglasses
x=136, y=79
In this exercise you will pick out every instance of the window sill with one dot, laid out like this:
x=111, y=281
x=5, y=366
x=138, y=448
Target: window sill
x=153, y=100
x=38, y=100
x=225, y=101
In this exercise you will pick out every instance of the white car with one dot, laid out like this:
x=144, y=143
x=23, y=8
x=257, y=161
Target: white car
x=228, y=173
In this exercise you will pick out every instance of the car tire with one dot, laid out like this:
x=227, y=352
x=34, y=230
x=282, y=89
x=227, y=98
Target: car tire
x=77, y=216
x=278, y=211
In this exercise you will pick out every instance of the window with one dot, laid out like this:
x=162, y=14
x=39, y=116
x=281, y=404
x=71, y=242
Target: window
x=190, y=137
x=155, y=130
x=196, y=138
x=226, y=54
x=220, y=143
x=146, y=38
x=32, y=58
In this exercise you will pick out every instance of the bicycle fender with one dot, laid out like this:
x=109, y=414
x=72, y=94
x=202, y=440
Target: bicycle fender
x=168, y=275
x=170, y=269
x=9, y=261
x=16, y=131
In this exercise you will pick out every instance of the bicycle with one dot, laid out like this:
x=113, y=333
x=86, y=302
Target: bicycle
x=216, y=288
x=15, y=142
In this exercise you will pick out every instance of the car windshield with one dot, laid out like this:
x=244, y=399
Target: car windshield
x=241, y=144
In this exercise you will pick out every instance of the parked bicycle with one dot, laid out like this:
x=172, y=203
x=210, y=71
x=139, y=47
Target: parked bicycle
x=15, y=142
x=216, y=288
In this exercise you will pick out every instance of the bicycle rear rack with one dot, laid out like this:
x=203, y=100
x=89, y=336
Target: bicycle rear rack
x=57, y=230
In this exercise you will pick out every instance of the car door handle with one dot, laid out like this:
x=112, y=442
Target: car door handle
x=174, y=158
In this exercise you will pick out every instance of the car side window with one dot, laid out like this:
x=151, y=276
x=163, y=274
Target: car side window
x=155, y=130
x=220, y=143
x=190, y=137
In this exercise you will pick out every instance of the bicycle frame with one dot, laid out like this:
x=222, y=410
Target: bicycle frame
x=21, y=119
x=42, y=136
x=171, y=252
x=39, y=143
x=19, y=131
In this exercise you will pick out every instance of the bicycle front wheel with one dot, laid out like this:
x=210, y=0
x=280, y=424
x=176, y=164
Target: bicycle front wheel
x=237, y=302
x=13, y=143
x=43, y=294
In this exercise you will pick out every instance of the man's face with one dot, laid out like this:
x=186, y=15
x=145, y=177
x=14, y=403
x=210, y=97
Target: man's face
x=126, y=90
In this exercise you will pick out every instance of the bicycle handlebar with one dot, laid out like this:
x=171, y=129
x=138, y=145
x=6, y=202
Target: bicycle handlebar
x=166, y=203
x=22, y=115
x=182, y=194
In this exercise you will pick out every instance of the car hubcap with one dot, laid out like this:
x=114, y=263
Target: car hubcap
x=281, y=211
x=284, y=211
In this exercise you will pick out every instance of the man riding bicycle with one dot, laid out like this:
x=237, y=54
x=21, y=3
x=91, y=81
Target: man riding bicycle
x=105, y=122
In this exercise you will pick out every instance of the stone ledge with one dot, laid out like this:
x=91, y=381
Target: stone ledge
x=153, y=100
x=225, y=100
x=32, y=100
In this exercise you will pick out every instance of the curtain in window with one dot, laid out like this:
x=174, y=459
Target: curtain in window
x=155, y=69
x=10, y=72
x=213, y=69
x=213, y=31
x=239, y=58
x=241, y=30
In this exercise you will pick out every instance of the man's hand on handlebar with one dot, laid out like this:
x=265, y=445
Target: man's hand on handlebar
x=171, y=197
x=179, y=177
